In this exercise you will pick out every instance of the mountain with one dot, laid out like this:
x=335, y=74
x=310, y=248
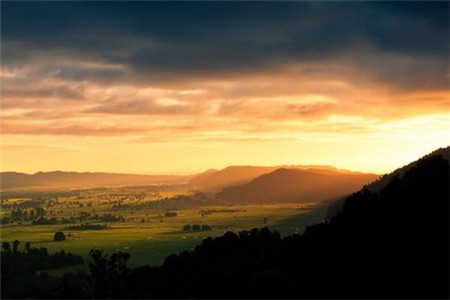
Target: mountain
x=229, y=176
x=72, y=180
x=200, y=179
x=208, y=180
x=296, y=185
x=236, y=175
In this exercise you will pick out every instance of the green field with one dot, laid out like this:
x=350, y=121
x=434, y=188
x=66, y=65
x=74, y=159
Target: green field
x=149, y=236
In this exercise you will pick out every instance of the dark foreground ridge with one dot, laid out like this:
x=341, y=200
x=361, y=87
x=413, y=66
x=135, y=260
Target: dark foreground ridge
x=393, y=243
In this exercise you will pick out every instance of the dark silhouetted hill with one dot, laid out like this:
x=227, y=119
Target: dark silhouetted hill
x=384, y=180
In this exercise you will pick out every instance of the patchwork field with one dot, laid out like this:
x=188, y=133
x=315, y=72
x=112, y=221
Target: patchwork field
x=148, y=225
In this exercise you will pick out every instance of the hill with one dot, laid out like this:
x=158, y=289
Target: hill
x=384, y=180
x=208, y=180
x=232, y=175
x=236, y=175
x=296, y=185
x=72, y=180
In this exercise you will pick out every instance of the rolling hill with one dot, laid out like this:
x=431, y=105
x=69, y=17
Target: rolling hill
x=72, y=180
x=232, y=175
x=296, y=185
x=236, y=175
x=209, y=180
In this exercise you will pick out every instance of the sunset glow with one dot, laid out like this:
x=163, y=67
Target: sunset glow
x=136, y=95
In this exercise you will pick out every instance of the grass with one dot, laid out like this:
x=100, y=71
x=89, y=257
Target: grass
x=152, y=241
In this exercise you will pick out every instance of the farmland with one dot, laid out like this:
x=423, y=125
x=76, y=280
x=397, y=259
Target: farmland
x=148, y=222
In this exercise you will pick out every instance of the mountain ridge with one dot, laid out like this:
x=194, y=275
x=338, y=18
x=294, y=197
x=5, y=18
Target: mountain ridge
x=210, y=179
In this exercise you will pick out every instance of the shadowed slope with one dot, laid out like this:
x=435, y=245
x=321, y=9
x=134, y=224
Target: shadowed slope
x=294, y=185
x=229, y=176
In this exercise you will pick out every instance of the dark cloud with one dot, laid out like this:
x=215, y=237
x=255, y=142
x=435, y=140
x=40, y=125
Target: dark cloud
x=89, y=73
x=159, y=41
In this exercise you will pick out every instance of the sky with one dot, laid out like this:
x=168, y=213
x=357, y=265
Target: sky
x=182, y=87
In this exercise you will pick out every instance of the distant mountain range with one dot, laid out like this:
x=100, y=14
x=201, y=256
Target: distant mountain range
x=214, y=180
x=234, y=184
x=75, y=180
x=236, y=175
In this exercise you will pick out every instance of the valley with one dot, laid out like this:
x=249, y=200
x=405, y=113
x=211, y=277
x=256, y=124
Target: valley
x=148, y=222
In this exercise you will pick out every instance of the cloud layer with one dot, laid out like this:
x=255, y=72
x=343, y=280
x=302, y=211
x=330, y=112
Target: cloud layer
x=202, y=73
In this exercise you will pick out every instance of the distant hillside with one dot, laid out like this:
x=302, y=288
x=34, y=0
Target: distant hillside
x=229, y=176
x=208, y=180
x=296, y=185
x=70, y=180
x=235, y=175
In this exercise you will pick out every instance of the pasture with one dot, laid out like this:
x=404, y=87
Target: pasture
x=145, y=231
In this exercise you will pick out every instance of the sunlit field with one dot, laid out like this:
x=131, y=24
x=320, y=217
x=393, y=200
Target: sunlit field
x=149, y=225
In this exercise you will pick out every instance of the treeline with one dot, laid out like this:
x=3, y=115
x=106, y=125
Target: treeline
x=196, y=227
x=38, y=218
x=389, y=244
x=21, y=270
x=87, y=226
x=177, y=202
x=22, y=214
x=206, y=212
x=35, y=258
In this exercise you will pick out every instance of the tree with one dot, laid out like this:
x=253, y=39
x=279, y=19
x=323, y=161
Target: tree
x=39, y=212
x=265, y=220
x=6, y=247
x=108, y=273
x=15, y=246
x=206, y=227
x=27, y=247
x=59, y=236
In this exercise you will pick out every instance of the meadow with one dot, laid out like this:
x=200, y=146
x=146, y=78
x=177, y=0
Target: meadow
x=146, y=223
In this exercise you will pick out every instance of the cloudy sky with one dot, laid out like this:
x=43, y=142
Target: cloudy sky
x=180, y=87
